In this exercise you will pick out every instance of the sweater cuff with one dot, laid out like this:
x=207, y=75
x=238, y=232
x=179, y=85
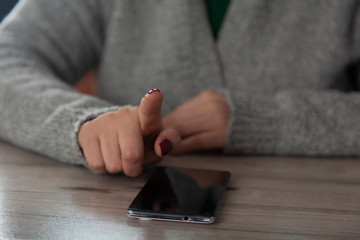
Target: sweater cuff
x=253, y=126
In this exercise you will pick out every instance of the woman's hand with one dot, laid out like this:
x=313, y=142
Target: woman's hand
x=126, y=139
x=202, y=122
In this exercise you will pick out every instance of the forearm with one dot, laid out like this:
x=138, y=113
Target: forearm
x=40, y=113
x=42, y=53
x=295, y=122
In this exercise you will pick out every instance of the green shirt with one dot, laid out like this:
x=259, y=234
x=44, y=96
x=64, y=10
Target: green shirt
x=216, y=11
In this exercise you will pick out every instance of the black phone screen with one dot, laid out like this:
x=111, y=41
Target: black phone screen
x=180, y=194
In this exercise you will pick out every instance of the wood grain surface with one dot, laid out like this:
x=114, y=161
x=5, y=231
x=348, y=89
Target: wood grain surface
x=267, y=198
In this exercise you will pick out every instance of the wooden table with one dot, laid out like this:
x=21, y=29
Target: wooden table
x=268, y=198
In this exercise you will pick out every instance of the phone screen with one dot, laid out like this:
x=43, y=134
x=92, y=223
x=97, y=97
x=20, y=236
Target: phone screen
x=180, y=194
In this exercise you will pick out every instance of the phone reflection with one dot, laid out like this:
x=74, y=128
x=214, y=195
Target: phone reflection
x=182, y=191
x=159, y=194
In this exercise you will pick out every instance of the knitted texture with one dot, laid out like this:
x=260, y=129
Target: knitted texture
x=288, y=69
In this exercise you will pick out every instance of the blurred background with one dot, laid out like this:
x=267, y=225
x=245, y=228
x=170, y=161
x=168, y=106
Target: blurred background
x=5, y=7
x=87, y=83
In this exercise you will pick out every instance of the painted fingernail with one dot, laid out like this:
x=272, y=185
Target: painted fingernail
x=166, y=147
x=153, y=90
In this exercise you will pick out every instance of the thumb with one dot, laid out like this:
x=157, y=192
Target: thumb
x=167, y=142
x=150, y=112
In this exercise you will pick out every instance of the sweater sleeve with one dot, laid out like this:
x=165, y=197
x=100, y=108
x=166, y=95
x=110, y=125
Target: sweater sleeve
x=45, y=47
x=295, y=122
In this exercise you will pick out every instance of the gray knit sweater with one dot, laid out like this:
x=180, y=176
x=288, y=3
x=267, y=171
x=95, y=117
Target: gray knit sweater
x=289, y=68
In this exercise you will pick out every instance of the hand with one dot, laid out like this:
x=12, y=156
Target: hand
x=126, y=139
x=202, y=122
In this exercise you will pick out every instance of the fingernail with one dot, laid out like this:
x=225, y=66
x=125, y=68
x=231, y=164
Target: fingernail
x=153, y=90
x=166, y=147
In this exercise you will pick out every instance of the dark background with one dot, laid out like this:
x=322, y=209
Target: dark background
x=5, y=7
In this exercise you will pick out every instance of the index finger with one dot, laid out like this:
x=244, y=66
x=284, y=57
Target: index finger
x=150, y=112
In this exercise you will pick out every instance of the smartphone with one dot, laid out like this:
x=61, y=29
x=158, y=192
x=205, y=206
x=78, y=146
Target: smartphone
x=180, y=194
